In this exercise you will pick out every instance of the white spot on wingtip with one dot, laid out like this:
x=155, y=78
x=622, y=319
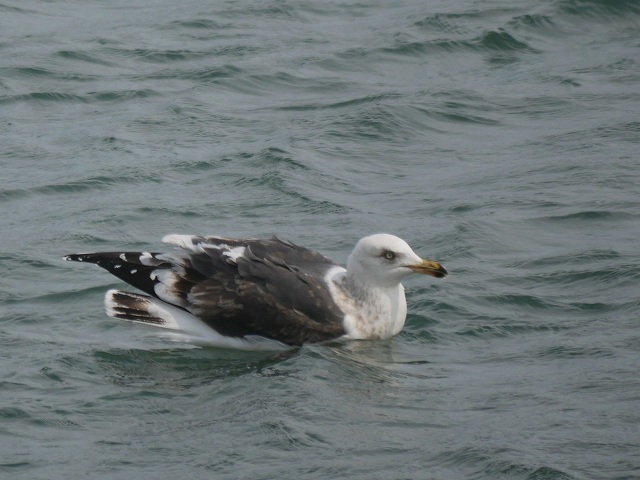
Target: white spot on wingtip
x=134, y=271
x=123, y=257
x=183, y=241
x=147, y=259
x=233, y=254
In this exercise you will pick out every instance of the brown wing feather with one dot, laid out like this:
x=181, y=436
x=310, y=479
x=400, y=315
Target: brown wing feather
x=256, y=312
x=271, y=299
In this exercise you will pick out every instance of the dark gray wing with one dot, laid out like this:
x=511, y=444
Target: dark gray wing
x=273, y=289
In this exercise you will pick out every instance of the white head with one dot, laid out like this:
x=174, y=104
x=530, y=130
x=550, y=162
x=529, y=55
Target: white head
x=385, y=260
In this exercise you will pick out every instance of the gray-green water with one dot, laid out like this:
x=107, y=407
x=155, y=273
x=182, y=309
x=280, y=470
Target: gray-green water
x=500, y=137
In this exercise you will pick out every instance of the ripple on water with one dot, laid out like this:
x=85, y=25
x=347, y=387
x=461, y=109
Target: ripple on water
x=466, y=126
x=61, y=97
x=84, y=56
x=90, y=184
x=598, y=8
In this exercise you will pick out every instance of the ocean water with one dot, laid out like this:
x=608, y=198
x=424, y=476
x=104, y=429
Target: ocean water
x=499, y=137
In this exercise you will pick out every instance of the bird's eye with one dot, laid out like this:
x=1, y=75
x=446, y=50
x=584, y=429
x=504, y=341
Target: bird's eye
x=389, y=255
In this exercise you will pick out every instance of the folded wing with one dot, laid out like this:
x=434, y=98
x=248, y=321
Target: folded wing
x=269, y=288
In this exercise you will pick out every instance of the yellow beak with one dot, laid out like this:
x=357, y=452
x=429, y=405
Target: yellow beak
x=429, y=267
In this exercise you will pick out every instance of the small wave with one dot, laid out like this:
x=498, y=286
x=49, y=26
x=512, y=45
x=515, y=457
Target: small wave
x=121, y=95
x=158, y=56
x=65, y=296
x=398, y=123
x=278, y=157
x=198, y=23
x=12, y=413
x=429, y=46
x=589, y=216
x=549, y=473
x=441, y=23
x=279, y=172
x=12, y=465
x=83, y=56
x=93, y=183
x=279, y=182
x=369, y=99
x=105, y=96
x=622, y=70
x=459, y=117
x=502, y=41
x=42, y=97
x=626, y=132
x=180, y=366
x=505, y=328
x=599, y=8
x=625, y=274
x=282, y=81
x=522, y=301
x=491, y=41
x=56, y=422
x=566, y=351
x=12, y=9
x=378, y=122
x=534, y=21
x=491, y=463
x=572, y=259
x=206, y=74
x=40, y=72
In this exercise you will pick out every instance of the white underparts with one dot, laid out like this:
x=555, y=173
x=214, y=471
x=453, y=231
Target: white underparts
x=370, y=312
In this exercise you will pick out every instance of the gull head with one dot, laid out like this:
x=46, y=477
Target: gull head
x=384, y=260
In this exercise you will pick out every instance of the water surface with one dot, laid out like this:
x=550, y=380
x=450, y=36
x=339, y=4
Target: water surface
x=501, y=138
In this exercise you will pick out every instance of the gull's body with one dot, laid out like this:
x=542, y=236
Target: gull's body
x=250, y=293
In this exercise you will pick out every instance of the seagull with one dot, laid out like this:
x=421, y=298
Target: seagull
x=257, y=294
